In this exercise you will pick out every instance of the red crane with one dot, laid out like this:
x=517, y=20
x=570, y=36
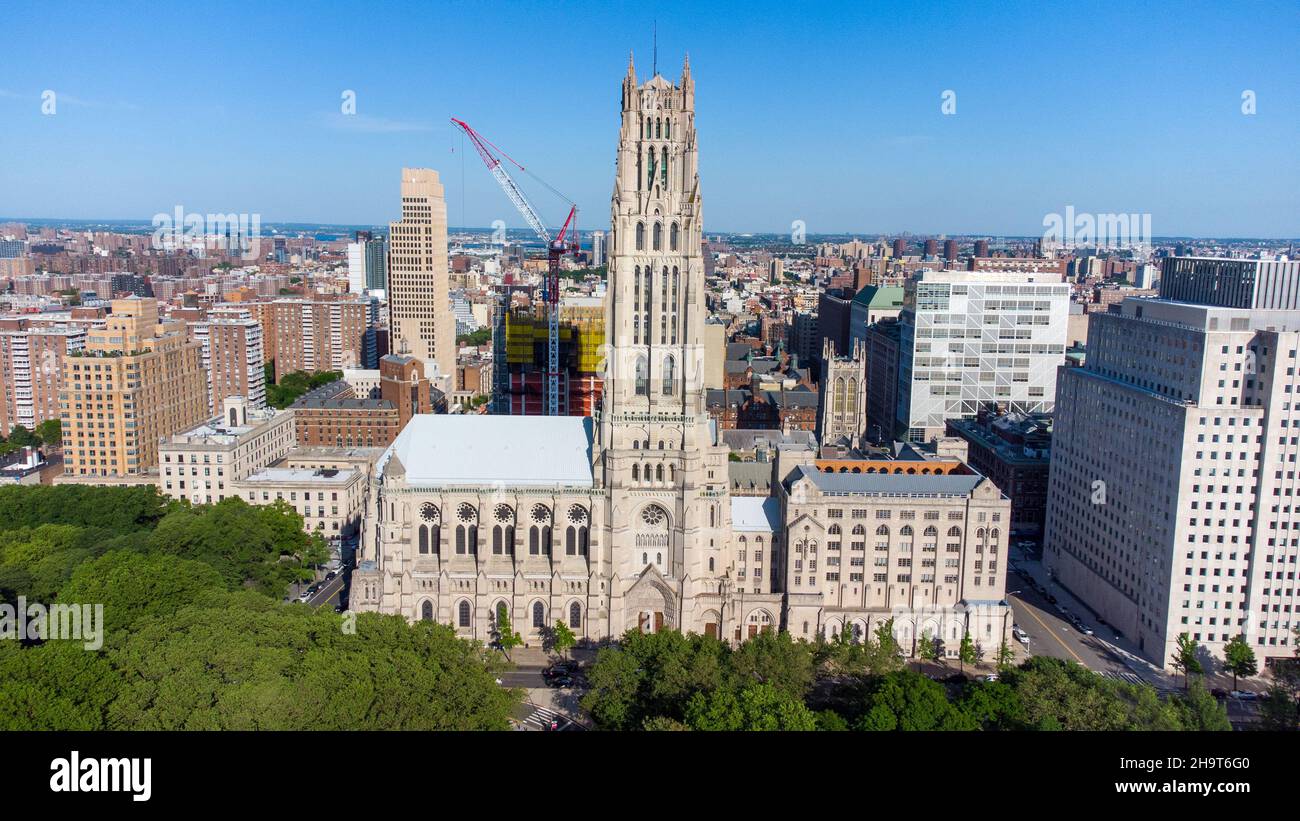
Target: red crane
x=555, y=248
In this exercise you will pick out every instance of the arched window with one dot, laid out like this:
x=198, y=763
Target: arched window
x=672, y=241
x=571, y=541
x=642, y=380
x=463, y=613
x=668, y=129
x=859, y=530
x=993, y=534
x=906, y=531
x=954, y=531
x=473, y=540
x=931, y=531
x=426, y=610
x=835, y=530
x=636, y=472
x=539, y=614
x=669, y=375
x=510, y=540
x=659, y=473
x=582, y=541
x=546, y=540
x=839, y=395
x=575, y=616
x=672, y=474
x=424, y=539
x=663, y=166
x=659, y=128
x=658, y=240
x=460, y=539
x=883, y=530
x=498, y=546
x=534, y=541
x=640, y=236
x=648, y=129
x=502, y=612
x=710, y=564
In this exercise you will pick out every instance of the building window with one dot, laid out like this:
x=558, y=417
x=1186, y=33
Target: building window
x=464, y=614
x=539, y=615
x=575, y=616
x=640, y=236
x=426, y=611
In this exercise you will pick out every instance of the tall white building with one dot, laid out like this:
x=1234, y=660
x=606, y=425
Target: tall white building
x=598, y=254
x=971, y=338
x=356, y=267
x=420, y=318
x=1173, y=503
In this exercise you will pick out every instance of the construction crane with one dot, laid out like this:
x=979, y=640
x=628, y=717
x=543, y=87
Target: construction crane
x=555, y=248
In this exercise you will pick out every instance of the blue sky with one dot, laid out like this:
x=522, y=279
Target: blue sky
x=828, y=113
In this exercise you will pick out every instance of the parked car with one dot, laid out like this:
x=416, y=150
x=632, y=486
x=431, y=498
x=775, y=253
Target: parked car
x=330, y=575
x=991, y=677
x=1244, y=695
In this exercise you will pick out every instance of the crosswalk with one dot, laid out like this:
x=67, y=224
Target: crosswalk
x=1134, y=678
x=540, y=718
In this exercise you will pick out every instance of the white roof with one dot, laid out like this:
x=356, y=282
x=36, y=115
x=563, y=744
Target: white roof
x=755, y=513
x=475, y=449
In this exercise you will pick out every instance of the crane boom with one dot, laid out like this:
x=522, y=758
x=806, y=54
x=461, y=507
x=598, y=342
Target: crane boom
x=503, y=179
x=554, y=250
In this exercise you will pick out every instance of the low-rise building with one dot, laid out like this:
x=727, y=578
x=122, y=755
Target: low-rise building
x=330, y=501
x=202, y=463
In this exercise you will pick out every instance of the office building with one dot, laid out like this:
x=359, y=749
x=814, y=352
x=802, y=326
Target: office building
x=970, y=338
x=1172, y=497
x=418, y=289
x=202, y=463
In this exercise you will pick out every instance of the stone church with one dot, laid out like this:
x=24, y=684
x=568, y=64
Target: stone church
x=623, y=520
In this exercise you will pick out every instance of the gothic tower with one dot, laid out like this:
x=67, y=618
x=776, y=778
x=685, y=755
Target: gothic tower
x=842, y=414
x=656, y=453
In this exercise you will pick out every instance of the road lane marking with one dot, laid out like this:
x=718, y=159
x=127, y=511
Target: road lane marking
x=1029, y=609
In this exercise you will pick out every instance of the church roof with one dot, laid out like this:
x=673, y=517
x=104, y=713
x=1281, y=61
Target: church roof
x=473, y=449
x=755, y=513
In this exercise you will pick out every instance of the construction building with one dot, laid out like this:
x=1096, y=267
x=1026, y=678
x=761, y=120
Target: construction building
x=520, y=382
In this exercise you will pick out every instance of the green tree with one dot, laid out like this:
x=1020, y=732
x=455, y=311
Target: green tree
x=562, y=638
x=1200, y=711
x=776, y=659
x=927, y=648
x=1185, y=660
x=1239, y=659
x=614, y=682
x=50, y=431
x=504, y=635
x=907, y=700
x=1278, y=709
x=966, y=652
x=756, y=707
x=1006, y=656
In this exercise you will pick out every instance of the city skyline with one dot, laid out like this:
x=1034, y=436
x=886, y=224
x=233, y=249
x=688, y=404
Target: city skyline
x=1030, y=130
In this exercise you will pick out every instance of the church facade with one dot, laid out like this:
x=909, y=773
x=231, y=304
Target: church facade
x=623, y=520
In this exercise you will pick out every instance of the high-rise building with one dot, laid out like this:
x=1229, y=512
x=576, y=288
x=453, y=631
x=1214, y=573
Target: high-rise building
x=950, y=249
x=775, y=270
x=31, y=364
x=136, y=381
x=598, y=252
x=900, y=247
x=418, y=290
x=323, y=334
x=377, y=264
x=1169, y=506
x=1232, y=283
x=971, y=338
x=931, y=247
x=981, y=248
x=233, y=356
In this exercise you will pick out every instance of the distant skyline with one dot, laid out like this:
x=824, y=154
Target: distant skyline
x=829, y=114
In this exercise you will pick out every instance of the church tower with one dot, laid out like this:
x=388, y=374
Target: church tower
x=657, y=457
